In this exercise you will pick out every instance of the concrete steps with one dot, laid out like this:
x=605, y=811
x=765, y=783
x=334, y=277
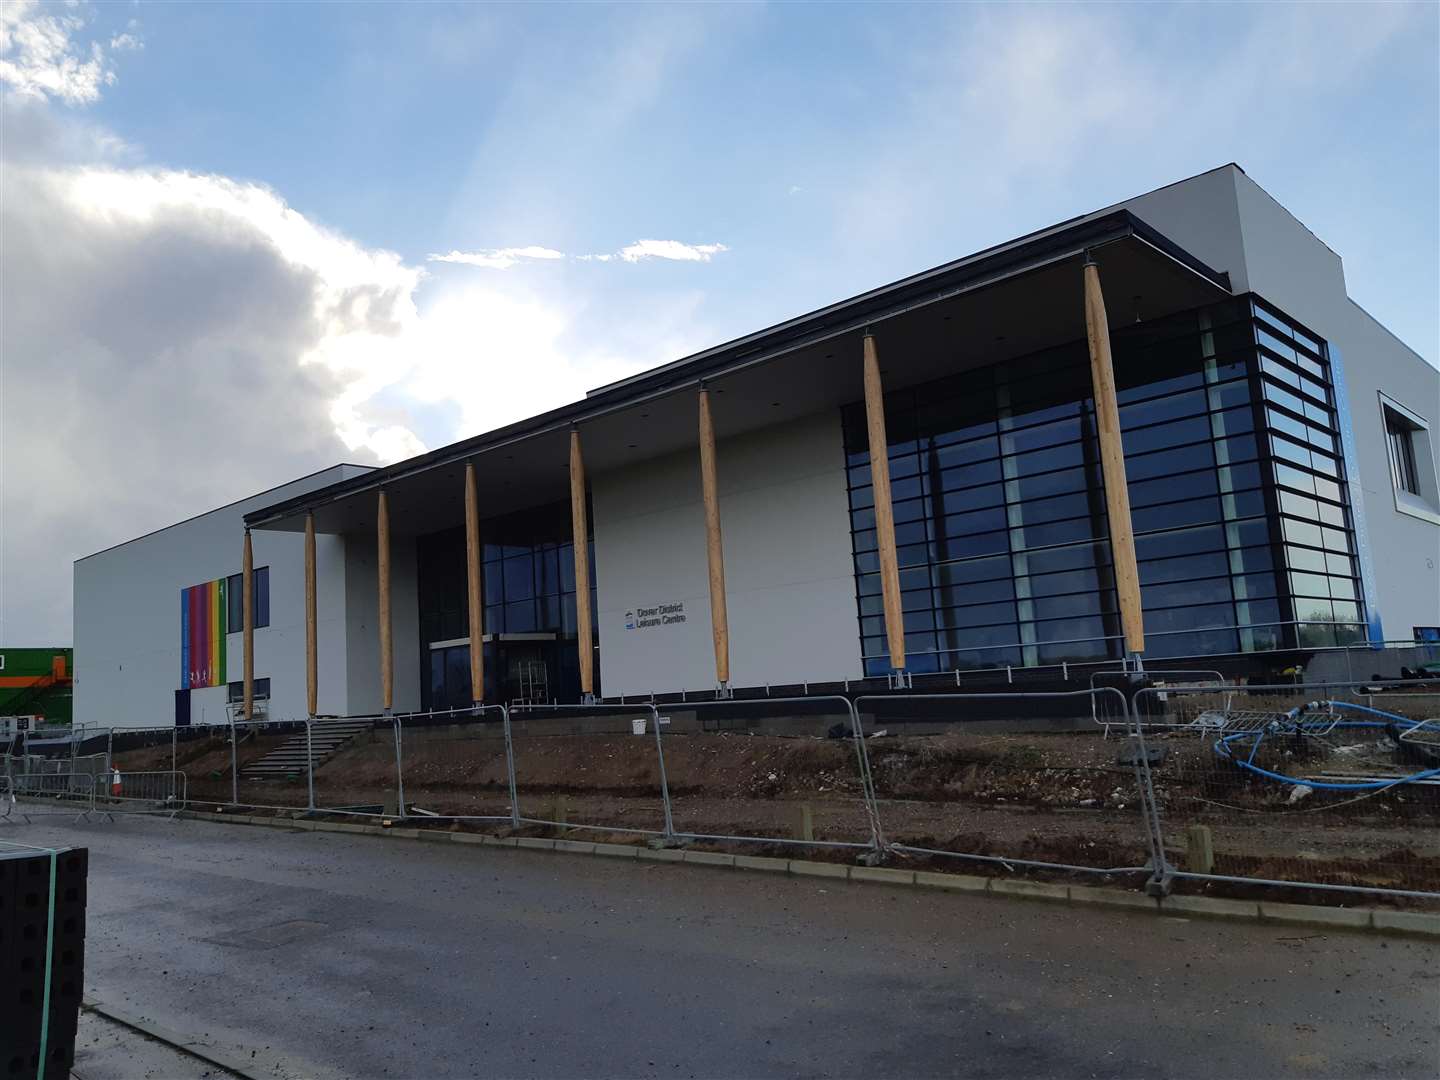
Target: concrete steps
x=327, y=738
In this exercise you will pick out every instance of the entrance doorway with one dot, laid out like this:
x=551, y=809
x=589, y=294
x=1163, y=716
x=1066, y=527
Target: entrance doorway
x=526, y=670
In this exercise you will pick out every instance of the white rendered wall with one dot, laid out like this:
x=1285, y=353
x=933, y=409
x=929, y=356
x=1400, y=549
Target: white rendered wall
x=127, y=616
x=1405, y=549
x=362, y=606
x=1227, y=220
x=790, y=584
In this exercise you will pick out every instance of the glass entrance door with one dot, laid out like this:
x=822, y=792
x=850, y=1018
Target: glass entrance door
x=527, y=672
x=516, y=673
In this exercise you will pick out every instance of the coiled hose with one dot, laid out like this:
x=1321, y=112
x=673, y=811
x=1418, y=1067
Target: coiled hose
x=1224, y=749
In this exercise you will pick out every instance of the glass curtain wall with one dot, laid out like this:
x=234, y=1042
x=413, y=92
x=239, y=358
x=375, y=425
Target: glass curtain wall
x=1000, y=509
x=529, y=592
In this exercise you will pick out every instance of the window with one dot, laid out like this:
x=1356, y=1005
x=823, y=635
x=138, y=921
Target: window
x=235, y=600
x=235, y=691
x=1412, y=461
x=1228, y=417
x=235, y=612
x=528, y=578
x=1400, y=434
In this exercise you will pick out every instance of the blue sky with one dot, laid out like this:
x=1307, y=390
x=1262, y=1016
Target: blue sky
x=241, y=202
x=428, y=128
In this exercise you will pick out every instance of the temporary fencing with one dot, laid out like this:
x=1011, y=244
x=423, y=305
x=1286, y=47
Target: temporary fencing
x=162, y=792
x=269, y=764
x=62, y=794
x=1013, y=780
x=1102, y=711
x=1298, y=785
x=1323, y=786
x=594, y=767
x=453, y=764
x=777, y=770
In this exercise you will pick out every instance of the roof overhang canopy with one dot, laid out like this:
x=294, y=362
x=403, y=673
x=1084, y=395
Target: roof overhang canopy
x=1004, y=302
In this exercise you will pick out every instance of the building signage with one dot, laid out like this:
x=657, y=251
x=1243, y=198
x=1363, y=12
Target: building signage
x=657, y=615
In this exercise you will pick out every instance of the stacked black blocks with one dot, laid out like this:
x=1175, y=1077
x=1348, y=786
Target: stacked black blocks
x=24, y=918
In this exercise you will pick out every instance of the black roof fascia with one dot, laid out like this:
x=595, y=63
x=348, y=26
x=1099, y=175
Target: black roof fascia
x=985, y=267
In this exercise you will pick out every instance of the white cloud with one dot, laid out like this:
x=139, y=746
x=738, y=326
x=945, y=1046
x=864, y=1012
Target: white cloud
x=497, y=258
x=40, y=57
x=670, y=249
x=175, y=340
x=504, y=258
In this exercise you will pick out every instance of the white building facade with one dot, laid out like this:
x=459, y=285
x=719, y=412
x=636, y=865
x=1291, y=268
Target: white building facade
x=129, y=625
x=1279, y=453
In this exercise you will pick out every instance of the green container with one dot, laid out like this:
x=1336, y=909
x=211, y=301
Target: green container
x=38, y=682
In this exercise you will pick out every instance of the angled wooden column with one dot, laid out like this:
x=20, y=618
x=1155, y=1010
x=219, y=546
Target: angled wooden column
x=884, y=511
x=581, y=533
x=312, y=677
x=382, y=561
x=1112, y=463
x=714, y=549
x=247, y=635
x=473, y=590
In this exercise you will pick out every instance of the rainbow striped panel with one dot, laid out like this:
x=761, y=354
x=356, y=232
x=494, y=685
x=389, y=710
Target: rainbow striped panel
x=220, y=640
x=202, y=635
x=184, y=639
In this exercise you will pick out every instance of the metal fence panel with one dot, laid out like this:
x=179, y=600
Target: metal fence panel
x=777, y=770
x=202, y=752
x=455, y=764
x=596, y=767
x=347, y=764
x=1315, y=785
x=51, y=793
x=1010, y=780
x=162, y=792
x=268, y=764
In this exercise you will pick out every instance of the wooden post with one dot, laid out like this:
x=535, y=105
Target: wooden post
x=472, y=581
x=311, y=630
x=1112, y=463
x=804, y=821
x=719, y=617
x=247, y=636
x=581, y=533
x=1199, y=849
x=387, y=652
x=884, y=511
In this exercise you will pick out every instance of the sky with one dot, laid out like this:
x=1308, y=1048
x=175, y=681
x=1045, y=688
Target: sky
x=242, y=242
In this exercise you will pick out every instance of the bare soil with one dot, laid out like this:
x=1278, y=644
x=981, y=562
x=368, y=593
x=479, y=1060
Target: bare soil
x=1059, y=798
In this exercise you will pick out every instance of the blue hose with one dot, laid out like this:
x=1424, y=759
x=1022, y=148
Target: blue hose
x=1222, y=748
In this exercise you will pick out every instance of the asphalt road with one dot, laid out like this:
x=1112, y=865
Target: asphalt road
x=323, y=954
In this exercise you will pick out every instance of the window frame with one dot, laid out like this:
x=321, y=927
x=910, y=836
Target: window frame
x=1422, y=501
x=235, y=599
